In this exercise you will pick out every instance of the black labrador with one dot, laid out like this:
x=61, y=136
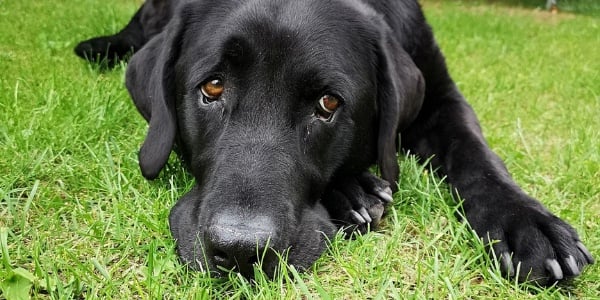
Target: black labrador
x=279, y=108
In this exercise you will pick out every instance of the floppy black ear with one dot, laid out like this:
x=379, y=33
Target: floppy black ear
x=400, y=95
x=150, y=80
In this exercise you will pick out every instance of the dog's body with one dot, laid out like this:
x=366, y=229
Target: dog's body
x=278, y=109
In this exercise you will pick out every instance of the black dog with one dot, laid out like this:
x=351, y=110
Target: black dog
x=278, y=109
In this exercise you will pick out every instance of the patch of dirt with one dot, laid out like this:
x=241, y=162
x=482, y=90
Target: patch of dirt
x=501, y=7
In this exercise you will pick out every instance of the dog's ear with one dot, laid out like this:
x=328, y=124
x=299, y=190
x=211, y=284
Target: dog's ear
x=400, y=93
x=150, y=80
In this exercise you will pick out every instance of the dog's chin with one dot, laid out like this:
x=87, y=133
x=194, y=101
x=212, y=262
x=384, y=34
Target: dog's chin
x=306, y=244
x=314, y=233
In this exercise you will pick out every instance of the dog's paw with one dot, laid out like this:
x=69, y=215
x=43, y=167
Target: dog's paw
x=356, y=203
x=529, y=242
x=104, y=50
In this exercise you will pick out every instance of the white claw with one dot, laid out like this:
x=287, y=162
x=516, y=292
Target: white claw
x=357, y=217
x=572, y=265
x=586, y=253
x=553, y=267
x=506, y=261
x=386, y=195
x=365, y=214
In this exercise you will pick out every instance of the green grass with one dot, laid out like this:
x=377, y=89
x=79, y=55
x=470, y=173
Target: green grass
x=77, y=220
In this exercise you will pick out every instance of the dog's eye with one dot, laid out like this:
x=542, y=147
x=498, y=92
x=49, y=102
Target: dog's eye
x=212, y=89
x=327, y=106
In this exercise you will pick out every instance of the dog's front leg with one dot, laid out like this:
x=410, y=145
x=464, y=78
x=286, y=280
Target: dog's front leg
x=522, y=233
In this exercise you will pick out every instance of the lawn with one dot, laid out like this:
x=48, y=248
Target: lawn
x=77, y=219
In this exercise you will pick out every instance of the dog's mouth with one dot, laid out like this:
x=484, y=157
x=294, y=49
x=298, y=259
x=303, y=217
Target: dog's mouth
x=243, y=260
x=241, y=245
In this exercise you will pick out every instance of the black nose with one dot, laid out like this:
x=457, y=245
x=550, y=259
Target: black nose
x=237, y=246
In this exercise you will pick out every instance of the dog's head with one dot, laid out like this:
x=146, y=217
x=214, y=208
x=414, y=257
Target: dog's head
x=267, y=102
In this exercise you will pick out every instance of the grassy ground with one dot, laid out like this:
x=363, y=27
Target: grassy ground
x=77, y=220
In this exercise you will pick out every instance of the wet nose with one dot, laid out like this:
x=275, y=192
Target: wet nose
x=237, y=245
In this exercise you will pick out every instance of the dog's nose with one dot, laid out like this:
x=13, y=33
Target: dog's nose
x=239, y=244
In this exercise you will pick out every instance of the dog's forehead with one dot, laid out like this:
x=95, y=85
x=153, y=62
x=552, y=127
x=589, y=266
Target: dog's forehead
x=302, y=33
x=320, y=28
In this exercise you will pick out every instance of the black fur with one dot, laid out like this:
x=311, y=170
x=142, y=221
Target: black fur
x=272, y=176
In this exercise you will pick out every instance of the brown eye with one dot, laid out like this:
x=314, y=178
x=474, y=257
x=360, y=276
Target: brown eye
x=212, y=89
x=327, y=106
